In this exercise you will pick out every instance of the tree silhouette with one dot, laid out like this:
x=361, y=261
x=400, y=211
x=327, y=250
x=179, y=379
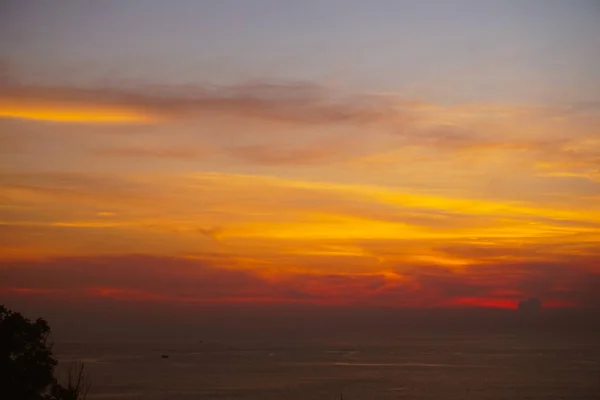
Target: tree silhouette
x=26, y=358
x=77, y=386
x=27, y=365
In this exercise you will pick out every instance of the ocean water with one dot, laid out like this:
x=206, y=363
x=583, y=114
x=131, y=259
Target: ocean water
x=457, y=367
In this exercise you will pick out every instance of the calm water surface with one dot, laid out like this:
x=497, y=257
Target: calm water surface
x=494, y=367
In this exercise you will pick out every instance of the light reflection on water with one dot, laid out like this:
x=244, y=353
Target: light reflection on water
x=506, y=368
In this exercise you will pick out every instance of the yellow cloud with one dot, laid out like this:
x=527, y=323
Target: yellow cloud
x=72, y=113
x=265, y=218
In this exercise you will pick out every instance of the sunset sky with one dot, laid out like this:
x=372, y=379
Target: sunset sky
x=408, y=154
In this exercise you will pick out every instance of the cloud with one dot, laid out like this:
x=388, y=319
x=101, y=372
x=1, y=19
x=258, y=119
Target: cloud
x=284, y=155
x=165, y=276
x=145, y=278
x=296, y=103
x=274, y=124
x=213, y=233
x=170, y=214
x=141, y=152
x=508, y=282
x=530, y=305
x=578, y=158
x=69, y=187
x=210, y=280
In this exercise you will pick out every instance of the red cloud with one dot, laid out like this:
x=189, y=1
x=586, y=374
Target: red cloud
x=163, y=279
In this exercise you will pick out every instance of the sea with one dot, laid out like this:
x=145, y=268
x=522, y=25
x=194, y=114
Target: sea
x=488, y=367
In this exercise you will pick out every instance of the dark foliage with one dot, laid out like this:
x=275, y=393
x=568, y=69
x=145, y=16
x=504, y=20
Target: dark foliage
x=26, y=359
x=27, y=365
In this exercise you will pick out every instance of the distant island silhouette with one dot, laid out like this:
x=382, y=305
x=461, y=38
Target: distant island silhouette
x=530, y=305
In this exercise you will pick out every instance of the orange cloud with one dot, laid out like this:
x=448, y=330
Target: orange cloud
x=271, y=155
x=189, y=154
x=296, y=103
x=70, y=113
x=281, y=201
x=275, y=221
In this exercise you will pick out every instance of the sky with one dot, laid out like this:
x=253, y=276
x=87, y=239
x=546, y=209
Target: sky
x=399, y=154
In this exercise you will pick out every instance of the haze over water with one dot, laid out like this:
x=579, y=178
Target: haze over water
x=428, y=366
